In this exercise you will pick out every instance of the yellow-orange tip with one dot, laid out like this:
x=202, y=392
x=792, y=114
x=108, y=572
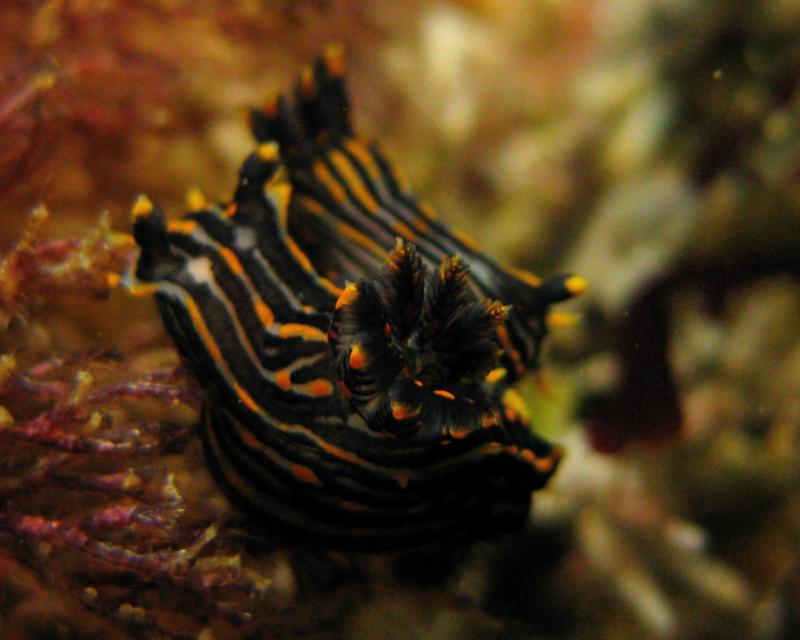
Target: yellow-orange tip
x=349, y=294
x=284, y=379
x=335, y=59
x=195, y=200
x=358, y=359
x=399, y=411
x=576, y=285
x=496, y=375
x=142, y=207
x=268, y=151
x=270, y=105
x=122, y=239
x=307, y=87
x=560, y=320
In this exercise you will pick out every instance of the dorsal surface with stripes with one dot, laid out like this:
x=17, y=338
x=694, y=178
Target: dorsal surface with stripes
x=357, y=354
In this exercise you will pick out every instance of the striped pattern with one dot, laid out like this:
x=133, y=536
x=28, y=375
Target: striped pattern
x=351, y=202
x=249, y=303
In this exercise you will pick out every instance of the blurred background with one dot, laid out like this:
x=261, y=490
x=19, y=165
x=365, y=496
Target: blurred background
x=653, y=147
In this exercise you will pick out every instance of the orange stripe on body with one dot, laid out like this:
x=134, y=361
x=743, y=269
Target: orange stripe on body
x=264, y=313
x=202, y=329
x=297, y=254
x=403, y=230
x=427, y=210
x=304, y=474
x=394, y=170
x=231, y=260
x=280, y=193
x=249, y=440
x=305, y=263
x=352, y=505
x=245, y=398
x=323, y=174
x=320, y=388
x=526, y=276
x=353, y=180
x=504, y=339
x=466, y=240
x=544, y=465
x=341, y=454
x=421, y=225
x=312, y=206
x=359, y=238
x=306, y=331
x=361, y=153
x=329, y=286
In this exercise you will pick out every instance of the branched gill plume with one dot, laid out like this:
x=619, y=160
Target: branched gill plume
x=414, y=348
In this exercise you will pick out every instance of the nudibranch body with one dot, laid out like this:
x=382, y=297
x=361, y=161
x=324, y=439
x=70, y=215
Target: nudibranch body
x=356, y=354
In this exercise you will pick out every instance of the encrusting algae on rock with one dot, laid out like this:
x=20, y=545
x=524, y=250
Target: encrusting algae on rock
x=90, y=492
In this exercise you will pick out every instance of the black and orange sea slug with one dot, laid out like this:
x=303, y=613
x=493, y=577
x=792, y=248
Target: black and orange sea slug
x=357, y=354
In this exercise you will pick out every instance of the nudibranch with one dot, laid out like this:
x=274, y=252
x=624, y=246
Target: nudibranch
x=357, y=355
